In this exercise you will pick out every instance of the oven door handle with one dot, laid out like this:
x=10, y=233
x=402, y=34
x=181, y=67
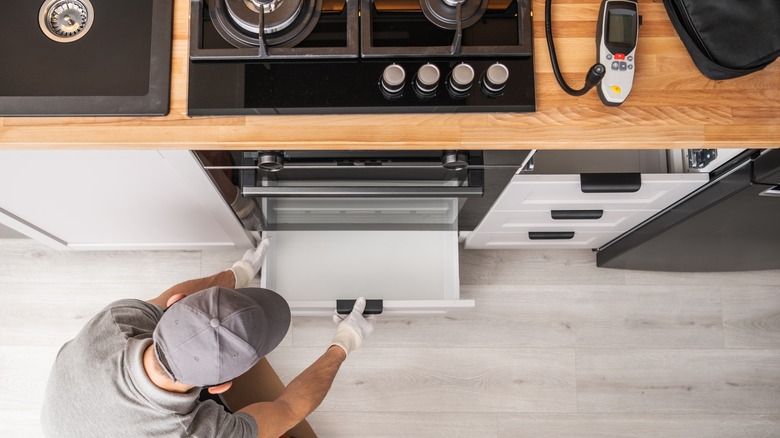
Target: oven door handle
x=363, y=192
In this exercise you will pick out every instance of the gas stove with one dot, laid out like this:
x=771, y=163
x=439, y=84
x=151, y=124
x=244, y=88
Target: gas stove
x=360, y=56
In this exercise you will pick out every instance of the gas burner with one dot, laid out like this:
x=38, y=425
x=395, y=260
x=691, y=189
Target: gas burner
x=285, y=22
x=65, y=21
x=444, y=13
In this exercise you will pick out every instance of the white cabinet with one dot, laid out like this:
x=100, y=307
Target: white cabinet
x=115, y=200
x=414, y=272
x=552, y=211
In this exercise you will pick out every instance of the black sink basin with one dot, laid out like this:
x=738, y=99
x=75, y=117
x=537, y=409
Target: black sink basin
x=85, y=57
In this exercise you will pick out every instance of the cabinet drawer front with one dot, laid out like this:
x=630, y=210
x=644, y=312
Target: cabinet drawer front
x=537, y=192
x=522, y=240
x=391, y=307
x=514, y=221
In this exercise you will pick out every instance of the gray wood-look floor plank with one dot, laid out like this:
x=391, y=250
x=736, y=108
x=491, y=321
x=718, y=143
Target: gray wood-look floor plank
x=679, y=381
x=443, y=379
x=404, y=424
x=555, y=317
x=751, y=316
x=713, y=279
x=25, y=261
x=20, y=423
x=637, y=426
x=23, y=375
x=534, y=267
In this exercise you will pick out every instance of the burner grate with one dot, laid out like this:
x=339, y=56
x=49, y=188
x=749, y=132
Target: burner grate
x=282, y=44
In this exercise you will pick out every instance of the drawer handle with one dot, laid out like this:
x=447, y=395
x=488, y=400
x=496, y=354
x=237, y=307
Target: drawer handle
x=577, y=214
x=550, y=235
x=373, y=307
x=610, y=182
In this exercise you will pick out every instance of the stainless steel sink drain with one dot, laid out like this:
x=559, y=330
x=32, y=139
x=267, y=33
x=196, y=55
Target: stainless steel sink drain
x=66, y=21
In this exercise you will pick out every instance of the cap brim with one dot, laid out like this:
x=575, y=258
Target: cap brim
x=276, y=310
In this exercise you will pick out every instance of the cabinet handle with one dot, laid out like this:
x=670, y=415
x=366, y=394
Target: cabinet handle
x=610, y=182
x=772, y=191
x=363, y=192
x=373, y=307
x=577, y=214
x=550, y=235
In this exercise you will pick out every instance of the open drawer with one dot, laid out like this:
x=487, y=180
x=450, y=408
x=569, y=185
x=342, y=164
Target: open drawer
x=414, y=272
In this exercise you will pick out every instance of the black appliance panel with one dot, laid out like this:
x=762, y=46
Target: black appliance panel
x=727, y=226
x=393, y=182
x=342, y=87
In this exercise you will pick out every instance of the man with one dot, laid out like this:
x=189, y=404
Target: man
x=137, y=368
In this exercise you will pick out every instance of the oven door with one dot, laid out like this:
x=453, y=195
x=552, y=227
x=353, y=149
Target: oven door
x=415, y=190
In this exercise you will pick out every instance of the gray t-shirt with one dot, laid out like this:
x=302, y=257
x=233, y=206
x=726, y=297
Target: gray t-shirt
x=98, y=386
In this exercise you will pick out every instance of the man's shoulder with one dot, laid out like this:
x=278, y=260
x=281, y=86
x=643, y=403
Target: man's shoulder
x=132, y=317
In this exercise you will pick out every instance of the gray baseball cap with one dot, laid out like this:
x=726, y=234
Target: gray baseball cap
x=217, y=334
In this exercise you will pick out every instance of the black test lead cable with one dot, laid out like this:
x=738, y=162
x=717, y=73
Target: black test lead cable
x=595, y=74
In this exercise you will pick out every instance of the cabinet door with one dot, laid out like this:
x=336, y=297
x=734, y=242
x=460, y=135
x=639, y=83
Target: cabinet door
x=115, y=200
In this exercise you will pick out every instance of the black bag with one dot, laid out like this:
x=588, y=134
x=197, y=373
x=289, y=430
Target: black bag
x=728, y=38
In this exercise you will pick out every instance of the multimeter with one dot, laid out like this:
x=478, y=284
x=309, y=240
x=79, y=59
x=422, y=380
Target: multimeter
x=616, y=38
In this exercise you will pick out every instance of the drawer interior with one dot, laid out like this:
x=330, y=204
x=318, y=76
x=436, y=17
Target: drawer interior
x=389, y=265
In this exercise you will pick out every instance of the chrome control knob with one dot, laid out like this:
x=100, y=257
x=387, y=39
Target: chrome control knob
x=392, y=81
x=461, y=79
x=270, y=161
x=495, y=78
x=427, y=80
x=454, y=160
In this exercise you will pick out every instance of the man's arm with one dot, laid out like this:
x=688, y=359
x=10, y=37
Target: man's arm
x=306, y=392
x=239, y=275
x=224, y=279
x=300, y=398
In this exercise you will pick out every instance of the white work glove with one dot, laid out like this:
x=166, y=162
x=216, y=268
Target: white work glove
x=247, y=268
x=353, y=328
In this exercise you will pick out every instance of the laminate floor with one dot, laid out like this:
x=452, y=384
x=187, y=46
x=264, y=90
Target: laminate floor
x=554, y=348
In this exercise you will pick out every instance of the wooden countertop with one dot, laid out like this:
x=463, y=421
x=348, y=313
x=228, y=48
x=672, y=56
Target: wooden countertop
x=671, y=106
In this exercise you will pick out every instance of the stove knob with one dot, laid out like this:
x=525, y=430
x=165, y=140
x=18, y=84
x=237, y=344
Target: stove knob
x=270, y=161
x=392, y=82
x=494, y=79
x=460, y=80
x=427, y=80
x=454, y=160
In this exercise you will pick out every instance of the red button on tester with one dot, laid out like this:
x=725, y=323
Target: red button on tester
x=620, y=56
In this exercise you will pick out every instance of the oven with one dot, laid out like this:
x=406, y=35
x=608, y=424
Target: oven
x=265, y=57
x=431, y=190
x=380, y=224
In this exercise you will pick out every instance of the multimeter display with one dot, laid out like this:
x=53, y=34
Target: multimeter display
x=621, y=28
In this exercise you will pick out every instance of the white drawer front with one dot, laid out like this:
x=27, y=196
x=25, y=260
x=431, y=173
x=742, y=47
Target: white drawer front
x=412, y=271
x=542, y=192
x=610, y=221
x=390, y=307
x=521, y=240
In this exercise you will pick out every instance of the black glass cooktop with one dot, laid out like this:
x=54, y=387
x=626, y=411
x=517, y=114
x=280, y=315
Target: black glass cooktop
x=85, y=57
x=338, y=64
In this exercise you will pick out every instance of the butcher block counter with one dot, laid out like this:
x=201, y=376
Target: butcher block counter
x=671, y=106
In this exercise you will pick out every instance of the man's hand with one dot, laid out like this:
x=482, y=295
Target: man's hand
x=353, y=328
x=247, y=268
